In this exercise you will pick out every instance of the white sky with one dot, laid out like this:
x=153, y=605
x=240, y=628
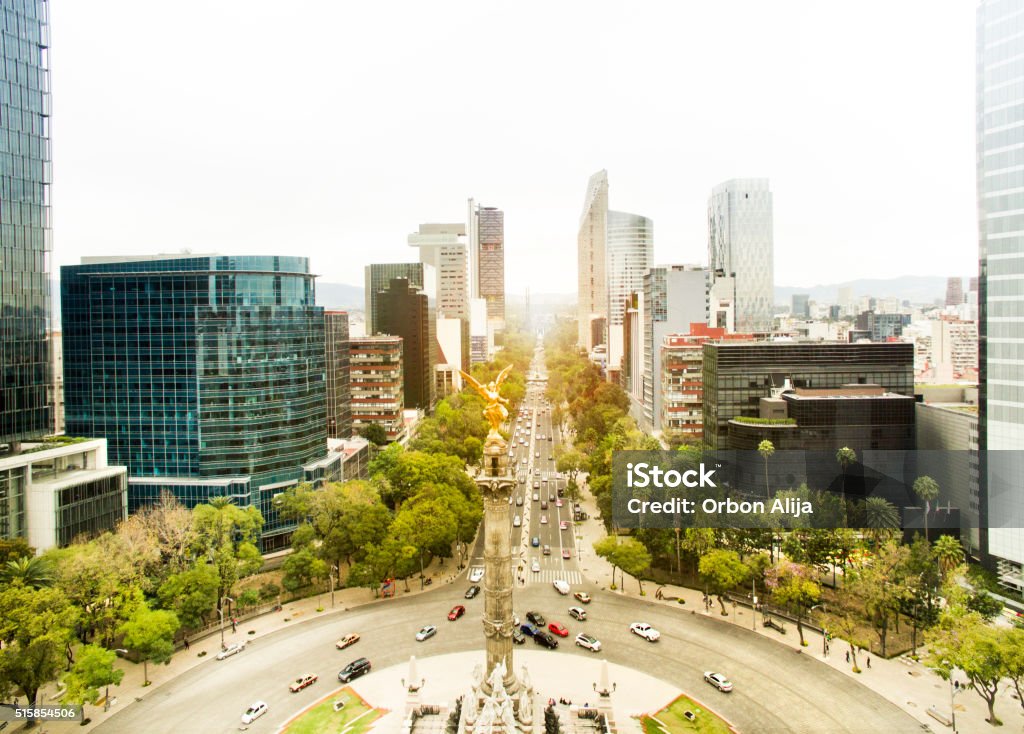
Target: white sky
x=332, y=129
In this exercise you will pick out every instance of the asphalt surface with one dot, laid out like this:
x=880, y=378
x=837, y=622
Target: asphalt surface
x=776, y=690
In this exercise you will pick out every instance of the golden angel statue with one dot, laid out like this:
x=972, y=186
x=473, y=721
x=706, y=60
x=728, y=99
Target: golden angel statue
x=495, y=410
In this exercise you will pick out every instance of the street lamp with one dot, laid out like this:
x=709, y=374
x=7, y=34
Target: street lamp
x=824, y=632
x=106, y=693
x=954, y=690
x=220, y=612
x=334, y=571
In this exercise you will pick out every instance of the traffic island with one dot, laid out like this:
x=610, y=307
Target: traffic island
x=342, y=710
x=685, y=715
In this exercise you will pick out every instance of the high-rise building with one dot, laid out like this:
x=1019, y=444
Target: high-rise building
x=378, y=276
x=487, y=259
x=339, y=392
x=480, y=336
x=57, y=385
x=443, y=247
x=675, y=296
x=25, y=235
x=1000, y=153
x=592, y=302
x=629, y=245
x=409, y=313
x=801, y=308
x=954, y=291
x=738, y=375
x=204, y=373
x=741, y=244
x=376, y=381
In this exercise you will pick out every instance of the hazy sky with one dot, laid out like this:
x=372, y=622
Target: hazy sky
x=333, y=129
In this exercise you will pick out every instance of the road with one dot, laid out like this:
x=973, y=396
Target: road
x=775, y=689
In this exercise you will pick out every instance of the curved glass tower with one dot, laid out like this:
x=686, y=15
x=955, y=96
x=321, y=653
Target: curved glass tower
x=205, y=374
x=629, y=248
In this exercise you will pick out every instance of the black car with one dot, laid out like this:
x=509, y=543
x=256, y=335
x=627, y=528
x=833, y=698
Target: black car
x=472, y=591
x=537, y=618
x=544, y=639
x=354, y=669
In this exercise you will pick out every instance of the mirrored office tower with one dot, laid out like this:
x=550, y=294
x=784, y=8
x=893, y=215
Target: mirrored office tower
x=740, y=243
x=24, y=222
x=1000, y=167
x=204, y=373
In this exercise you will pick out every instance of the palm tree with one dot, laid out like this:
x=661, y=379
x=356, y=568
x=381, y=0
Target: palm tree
x=766, y=448
x=880, y=517
x=845, y=456
x=948, y=553
x=31, y=571
x=927, y=489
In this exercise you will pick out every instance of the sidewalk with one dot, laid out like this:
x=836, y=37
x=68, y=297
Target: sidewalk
x=909, y=685
x=296, y=612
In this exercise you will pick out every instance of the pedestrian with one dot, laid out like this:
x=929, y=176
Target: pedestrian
x=234, y=625
x=185, y=640
x=869, y=662
x=847, y=656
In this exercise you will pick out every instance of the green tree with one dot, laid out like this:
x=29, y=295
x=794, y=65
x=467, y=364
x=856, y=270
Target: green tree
x=299, y=569
x=605, y=548
x=793, y=586
x=375, y=434
x=948, y=553
x=35, y=630
x=967, y=643
x=13, y=549
x=767, y=449
x=882, y=588
x=633, y=558
x=1013, y=656
x=226, y=535
x=880, y=518
x=722, y=570
x=845, y=457
x=927, y=489
x=150, y=633
x=984, y=604
x=33, y=571
x=191, y=594
x=571, y=463
x=94, y=669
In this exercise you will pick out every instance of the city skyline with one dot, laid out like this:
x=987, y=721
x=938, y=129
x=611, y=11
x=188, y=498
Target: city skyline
x=220, y=161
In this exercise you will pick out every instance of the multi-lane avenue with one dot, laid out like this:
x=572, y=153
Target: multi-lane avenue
x=775, y=689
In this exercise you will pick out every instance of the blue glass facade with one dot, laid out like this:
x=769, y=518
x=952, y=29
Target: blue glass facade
x=24, y=220
x=198, y=368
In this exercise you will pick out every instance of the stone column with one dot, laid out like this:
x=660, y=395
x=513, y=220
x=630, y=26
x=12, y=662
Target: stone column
x=496, y=485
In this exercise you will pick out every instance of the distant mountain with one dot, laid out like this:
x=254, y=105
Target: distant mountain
x=913, y=288
x=340, y=296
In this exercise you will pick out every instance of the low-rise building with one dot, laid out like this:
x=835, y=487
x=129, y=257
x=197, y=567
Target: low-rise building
x=376, y=382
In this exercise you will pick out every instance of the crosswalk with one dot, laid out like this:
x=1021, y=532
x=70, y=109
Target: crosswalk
x=547, y=576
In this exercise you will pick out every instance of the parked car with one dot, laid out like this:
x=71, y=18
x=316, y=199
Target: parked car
x=350, y=639
x=302, y=681
x=476, y=574
x=529, y=629
x=645, y=630
x=518, y=637
x=254, y=712
x=358, y=667
x=719, y=681
x=544, y=639
x=535, y=618
x=589, y=642
x=582, y=597
x=561, y=586
x=457, y=611
x=232, y=649
x=426, y=633
x=557, y=628
x=472, y=591
x=578, y=613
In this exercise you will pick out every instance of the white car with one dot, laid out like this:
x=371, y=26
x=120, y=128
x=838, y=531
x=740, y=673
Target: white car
x=589, y=642
x=426, y=633
x=254, y=712
x=535, y=566
x=645, y=630
x=517, y=522
x=718, y=680
x=232, y=649
x=476, y=574
x=561, y=586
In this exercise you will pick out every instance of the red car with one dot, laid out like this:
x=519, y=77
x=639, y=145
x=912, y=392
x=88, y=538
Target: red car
x=563, y=525
x=558, y=628
x=566, y=554
x=301, y=682
x=457, y=611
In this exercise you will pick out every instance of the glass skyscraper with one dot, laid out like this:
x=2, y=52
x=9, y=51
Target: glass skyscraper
x=25, y=239
x=204, y=373
x=1000, y=166
x=740, y=243
x=629, y=243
